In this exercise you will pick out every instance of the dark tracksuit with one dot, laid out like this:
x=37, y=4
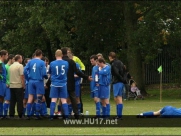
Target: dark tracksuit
x=71, y=82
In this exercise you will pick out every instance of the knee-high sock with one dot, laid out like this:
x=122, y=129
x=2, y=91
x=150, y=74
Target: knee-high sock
x=120, y=109
x=79, y=107
x=24, y=111
x=6, y=107
x=65, y=110
x=98, y=108
x=108, y=110
x=101, y=108
x=150, y=113
x=29, y=109
x=104, y=111
x=59, y=108
x=70, y=108
x=44, y=108
x=117, y=110
x=52, y=109
x=1, y=109
x=39, y=105
x=33, y=109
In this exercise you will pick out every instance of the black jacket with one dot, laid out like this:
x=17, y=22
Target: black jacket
x=70, y=74
x=117, y=71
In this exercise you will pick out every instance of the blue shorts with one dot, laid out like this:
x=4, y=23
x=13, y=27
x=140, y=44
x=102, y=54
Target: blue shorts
x=118, y=89
x=7, y=94
x=36, y=88
x=2, y=88
x=95, y=93
x=26, y=92
x=77, y=90
x=58, y=92
x=103, y=92
x=109, y=91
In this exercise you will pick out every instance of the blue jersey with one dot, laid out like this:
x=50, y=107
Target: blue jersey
x=2, y=72
x=105, y=76
x=77, y=79
x=58, y=71
x=36, y=69
x=95, y=70
x=170, y=111
x=25, y=72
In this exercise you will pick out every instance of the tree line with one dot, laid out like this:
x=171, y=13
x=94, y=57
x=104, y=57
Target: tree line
x=136, y=31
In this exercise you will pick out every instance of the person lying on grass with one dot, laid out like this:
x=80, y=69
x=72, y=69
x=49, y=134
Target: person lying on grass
x=167, y=111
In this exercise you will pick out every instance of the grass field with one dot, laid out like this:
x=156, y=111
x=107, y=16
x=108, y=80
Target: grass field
x=131, y=107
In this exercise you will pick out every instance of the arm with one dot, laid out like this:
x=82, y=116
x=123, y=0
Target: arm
x=92, y=83
x=105, y=71
x=116, y=73
x=22, y=76
x=25, y=73
x=77, y=60
x=7, y=76
x=22, y=81
x=78, y=72
x=44, y=71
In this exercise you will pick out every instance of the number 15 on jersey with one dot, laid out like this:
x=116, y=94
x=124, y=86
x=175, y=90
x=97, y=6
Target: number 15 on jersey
x=62, y=70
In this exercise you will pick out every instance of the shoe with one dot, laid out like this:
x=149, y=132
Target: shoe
x=119, y=118
x=51, y=119
x=139, y=116
x=82, y=114
x=55, y=113
x=1, y=118
x=44, y=116
x=37, y=118
x=7, y=117
x=76, y=116
x=97, y=117
x=59, y=114
x=11, y=117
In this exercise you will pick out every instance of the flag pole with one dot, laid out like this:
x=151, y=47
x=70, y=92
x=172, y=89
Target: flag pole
x=160, y=86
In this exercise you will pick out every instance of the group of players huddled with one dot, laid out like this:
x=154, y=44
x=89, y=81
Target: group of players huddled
x=25, y=86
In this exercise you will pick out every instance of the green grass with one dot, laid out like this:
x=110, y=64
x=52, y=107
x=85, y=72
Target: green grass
x=131, y=107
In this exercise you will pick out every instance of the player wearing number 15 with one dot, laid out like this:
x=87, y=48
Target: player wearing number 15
x=58, y=72
x=37, y=73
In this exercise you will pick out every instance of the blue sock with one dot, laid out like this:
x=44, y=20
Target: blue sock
x=108, y=110
x=120, y=109
x=79, y=107
x=5, y=107
x=150, y=113
x=70, y=108
x=24, y=111
x=33, y=109
x=38, y=106
x=98, y=108
x=65, y=110
x=44, y=108
x=117, y=109
x=38, y=109
x=29, y=109
x=59, y=108
x=101, y=109
x=52, y=109
x=1, y=109
x=104, y=111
